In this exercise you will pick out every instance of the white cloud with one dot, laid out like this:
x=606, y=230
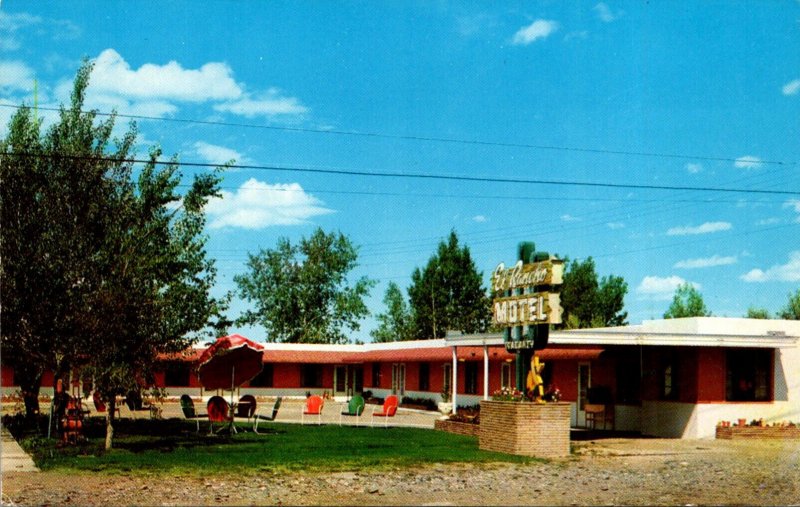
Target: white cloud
x=660, y=288
x=694, y=168
x=768, y=221
x=272, y=103
x=569, y=218
x=615, y=225
x=480, y=219
x=604, y=13
x=789, y=272
x=113, y=75
x=748, y=162
x=539, y=29
x=794, y=204
x=10, y=24
x=215, y=154
x=15, y=75
x=707, y=262
x=705, y=228
x=791, y=88
x=257, y=204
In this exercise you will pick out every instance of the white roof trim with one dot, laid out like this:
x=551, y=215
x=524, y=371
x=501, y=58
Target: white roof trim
x=692, y=332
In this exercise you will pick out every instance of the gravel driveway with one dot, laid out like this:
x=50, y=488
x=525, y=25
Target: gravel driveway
x=601, y=472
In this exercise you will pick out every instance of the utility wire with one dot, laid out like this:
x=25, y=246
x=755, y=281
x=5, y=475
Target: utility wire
x=436, y=139
x=411, y=175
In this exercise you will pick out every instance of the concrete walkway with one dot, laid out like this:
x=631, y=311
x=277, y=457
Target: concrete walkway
x=12, y=457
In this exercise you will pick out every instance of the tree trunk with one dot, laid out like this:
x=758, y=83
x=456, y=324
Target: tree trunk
x=110, y=424
x=29, y=384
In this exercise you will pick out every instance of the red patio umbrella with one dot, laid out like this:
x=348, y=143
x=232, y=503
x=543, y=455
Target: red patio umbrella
x=230, y=362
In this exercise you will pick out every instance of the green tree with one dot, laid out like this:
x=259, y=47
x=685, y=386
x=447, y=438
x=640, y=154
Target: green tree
x=757, y=313
x=301, y=292
x=448, y=293
x=395, y=324
x=107, y=274
x=588, y=302
x=792, y=309
x=687, y=302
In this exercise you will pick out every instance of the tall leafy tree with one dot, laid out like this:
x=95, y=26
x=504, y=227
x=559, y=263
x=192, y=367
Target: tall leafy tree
x=395, y=324
x=792, y=309
x=109, y=272
x=757, y=313
x=588, y=302
x=687, y=302
x=301, y=292
x=448, y=293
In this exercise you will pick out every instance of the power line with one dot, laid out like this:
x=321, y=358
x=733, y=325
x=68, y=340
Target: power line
x=436, y=139
x=424, y=176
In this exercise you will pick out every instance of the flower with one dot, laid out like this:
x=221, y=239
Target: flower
x=508, y=394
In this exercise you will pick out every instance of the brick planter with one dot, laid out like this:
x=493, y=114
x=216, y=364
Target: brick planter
x=525, y=429
x=459, y=428
x=737, y=432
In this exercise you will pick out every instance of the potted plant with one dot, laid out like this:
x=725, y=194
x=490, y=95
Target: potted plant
x=445, y=406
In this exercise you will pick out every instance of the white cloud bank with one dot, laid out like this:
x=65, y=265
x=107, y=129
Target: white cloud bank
x=705, y=228
x=213, y=81
x=748, y=162
x=256, y=205
x=156, y=90
x=789, y=272
x=539, y=29
x=660, y=288
x=215, y=154
x=791, y=88
x=15, y=76
x=708, y=262
x=605, y=14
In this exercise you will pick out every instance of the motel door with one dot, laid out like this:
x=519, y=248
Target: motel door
x=584, y=382
x=340, y=380
x=399, y=379
x=348, y=380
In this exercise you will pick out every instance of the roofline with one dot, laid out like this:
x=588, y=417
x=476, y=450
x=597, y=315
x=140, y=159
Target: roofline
x=618, y=336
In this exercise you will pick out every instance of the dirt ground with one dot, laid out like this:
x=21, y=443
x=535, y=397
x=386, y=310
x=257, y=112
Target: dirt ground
x=600, y=472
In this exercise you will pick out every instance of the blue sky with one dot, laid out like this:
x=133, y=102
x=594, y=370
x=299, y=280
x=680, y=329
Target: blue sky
x=690, y=94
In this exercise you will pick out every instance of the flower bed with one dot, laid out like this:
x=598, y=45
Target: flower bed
x=784, y=431
x=459, y=428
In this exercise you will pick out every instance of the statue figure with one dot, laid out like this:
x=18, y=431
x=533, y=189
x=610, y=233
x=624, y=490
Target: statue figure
x=535, y=384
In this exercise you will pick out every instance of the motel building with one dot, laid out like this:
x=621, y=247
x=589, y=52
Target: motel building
x=673, y=378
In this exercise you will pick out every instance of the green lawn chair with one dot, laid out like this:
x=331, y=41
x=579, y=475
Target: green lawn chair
x=187, y=406
x=355, y=407
x=258, y=417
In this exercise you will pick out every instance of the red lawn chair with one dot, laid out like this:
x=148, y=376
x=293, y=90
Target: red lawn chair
x=389, y=410
x=219, y=411
x=100, y=405
x=313, y=406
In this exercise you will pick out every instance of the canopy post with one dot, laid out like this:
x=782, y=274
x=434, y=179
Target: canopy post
x=485, y=372
x=454, y=380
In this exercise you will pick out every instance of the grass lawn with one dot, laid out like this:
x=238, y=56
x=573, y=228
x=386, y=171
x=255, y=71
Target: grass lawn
x=172, y=446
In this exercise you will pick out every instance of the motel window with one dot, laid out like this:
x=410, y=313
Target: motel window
x=311, y=375
x=629, y=381
x=447, y=377
x=471, y=377
x=376, y=374
x=177, y=374
x=748, y=374
x=265, y=378
x=669, y=378
x=505, y=375
x=424, y=376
